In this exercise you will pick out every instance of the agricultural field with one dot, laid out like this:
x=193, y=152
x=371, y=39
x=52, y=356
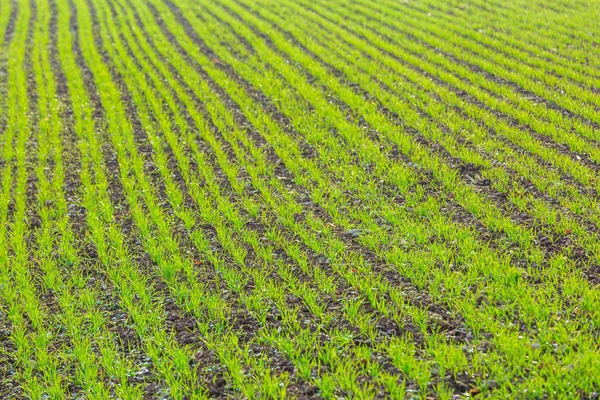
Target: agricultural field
x=339, y=199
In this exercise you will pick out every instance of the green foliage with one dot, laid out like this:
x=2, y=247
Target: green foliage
x=299, y=198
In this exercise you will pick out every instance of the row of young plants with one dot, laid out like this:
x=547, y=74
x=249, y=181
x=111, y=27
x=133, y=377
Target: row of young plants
x=43, y=272
x=6, y=10
x=20, y=302
x=85, y=344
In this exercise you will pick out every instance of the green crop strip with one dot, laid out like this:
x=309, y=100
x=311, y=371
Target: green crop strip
x=299, y=199
x=19, y=297
x=6, y=9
